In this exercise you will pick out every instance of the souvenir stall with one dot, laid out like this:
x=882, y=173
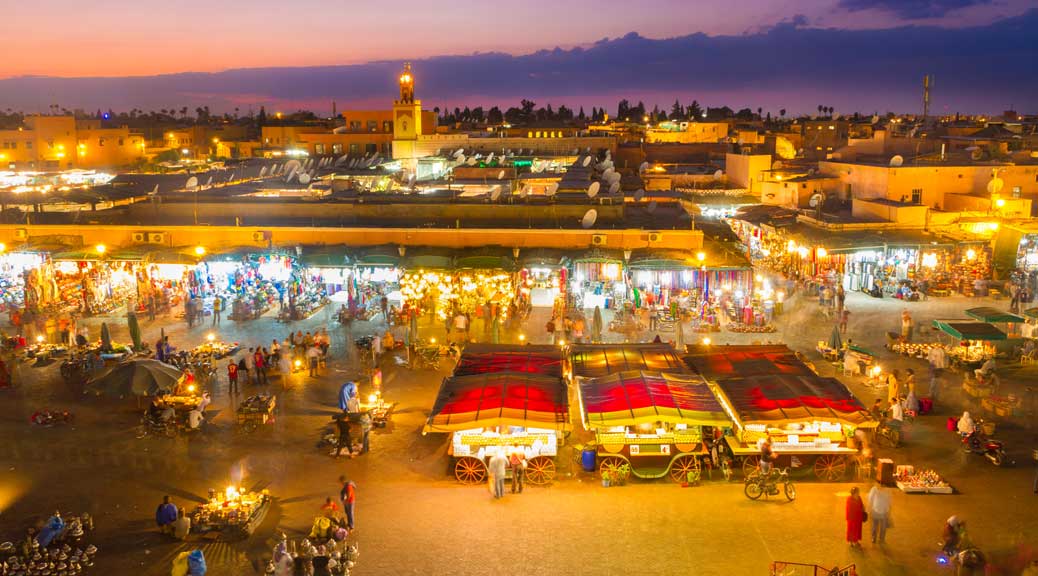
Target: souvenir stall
x=542, y=278
x=485, y=275
x=233, y=514
x=671, y=280
x=1030, y=329
x=769, y=393
x=970, y=343
x=327, y=268
x=912, y=481
x=651, y=424
x=167, y=275
x=949, y=269
x=90, y=285
x=256, y=283
x=12, y=279
x=597, y=280
x=376, y=273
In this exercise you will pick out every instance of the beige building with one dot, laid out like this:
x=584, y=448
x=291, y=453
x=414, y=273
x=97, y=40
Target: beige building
x=687, y=132
x=747, y=171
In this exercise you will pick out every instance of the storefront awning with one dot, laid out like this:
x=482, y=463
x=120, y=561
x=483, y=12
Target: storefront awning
x=638, y=397
x=597, y=360
x=1031, y=313
x=76, y=255
x=989, y=314
x=486, y=259
x=543, y=258
x=966, y=330
x=541, y=360
x=129, y=253
x=171, y=256
x=384, y=255
x=858, y=240
x=598, y=255
x=324, y=257
x=663, y=260
x=428, y=258
x=500, y=399
x=716, y=362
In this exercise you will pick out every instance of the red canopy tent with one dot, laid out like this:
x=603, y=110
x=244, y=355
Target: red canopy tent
x=483, y=359
x=637, y=397
x=500, y=399
x=714, y=362
x=596, y=360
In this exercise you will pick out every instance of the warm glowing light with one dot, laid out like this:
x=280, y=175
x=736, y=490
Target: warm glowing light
x=930, y=260
x=701, y=256
x=3, y=247
x=200, y=250
x=802, y=251
x=39, y=339
x=562, y=342
x=298, y=363
x=372, y=398
x=101, y=248
x=190, y=387
x=821, y=252
x=971, y=254
x=706, y=340
x=1000, y=203
x=522, y=337
x=758, y=278
x=876, y=370
x=210, y=337
x=432, y=340
x=791, y=246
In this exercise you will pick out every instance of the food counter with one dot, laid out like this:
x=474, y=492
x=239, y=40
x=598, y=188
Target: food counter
x=234, y=514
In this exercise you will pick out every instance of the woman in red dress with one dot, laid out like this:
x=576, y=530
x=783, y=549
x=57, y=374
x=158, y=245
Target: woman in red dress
x=855, y=515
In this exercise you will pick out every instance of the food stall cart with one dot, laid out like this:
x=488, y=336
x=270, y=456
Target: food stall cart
x=651, y=424
x=597, y=360
x=255, y=411
x=769, y=392
x=972, y=341
x=504, y=412
x=233, y=515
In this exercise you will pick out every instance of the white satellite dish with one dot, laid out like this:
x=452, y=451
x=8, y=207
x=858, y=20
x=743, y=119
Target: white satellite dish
x=777, y=165
x=589, y=218
x=490, y=158
x=293, y=164
x=411, y=179
x=875, y=118
x=718, y=175
x=607, y=172
x=614, y=188
x=460, y=159
x=495, y=194
x=613, y=177
x=501, y=175
x=586, y=162
x=536, y=167
x=995, y=185
x=459, y=152
x=643, y=167
x=551, y=189
x=897, y=160
x=638, y=195
x=274, y=170
x=471, y=161
x=191, y=183
x=651, y=207
x=209, y=182
x=592, y=190
x=816, y=200
x=155, y=190
x=478, y=155
x=304, y=178
x=263, y=172
x=837, y=116
x=976, y=153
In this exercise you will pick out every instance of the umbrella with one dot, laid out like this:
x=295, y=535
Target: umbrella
x=835, y=341
x=106, y=338
x=679, y=338
x=135, y=330
x=596, y=325
x=135, y=377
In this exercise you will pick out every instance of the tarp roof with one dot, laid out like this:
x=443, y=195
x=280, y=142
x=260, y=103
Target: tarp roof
x=966, y=330
x=838, y=241
x=716, y=362
x=989, y=314
x=597, y=360
x=773, y=398
x=384, y=255
x=488, y=358
x=1031, y=313
x=638, y=397
x=500, y=399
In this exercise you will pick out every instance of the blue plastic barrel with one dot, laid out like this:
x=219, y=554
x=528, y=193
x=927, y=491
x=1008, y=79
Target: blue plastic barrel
x=587, y=459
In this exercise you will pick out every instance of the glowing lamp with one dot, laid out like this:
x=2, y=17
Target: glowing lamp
x=791, y=246
x=522, y=337
x=706, y=341
x=971, y=254
x=190, y=387
x=200, y=250
x=930, y=260
x=298, y=363
x=821, y=252
x=210, y=337
x=432, y=340
x=1000, y=203
x=802, y=251
x=3, y=247
x=701, y=256
x=372, y=398
x=562, y=343
x=39, y=339
x=101, y=248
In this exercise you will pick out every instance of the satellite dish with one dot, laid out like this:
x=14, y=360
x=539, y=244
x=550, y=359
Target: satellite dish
x=293, y=165
x=816, y=200
x=459, y=152
x=614, y=188
x=875, y=118
x=459, y=158
x=995, y=185
x=651, y=207
x=490, y=158
x=643, y=167
x=607, y=173
x=613, y=177
x=263, y=172
x=589, y=218
x=340, y=160
x=638, y=195
x=411, y=179
x=977, y=154
x=501, y=175
x=897, y=160
x=209, y=182
x=191, y=183
x=536, y=167
x=495, y=194
x=523, y=192
x=592, y=190
x=155, y=190
x=718, y=175
x=551, y=189
x=777, y=165
x=586, y=162
x=837, y=117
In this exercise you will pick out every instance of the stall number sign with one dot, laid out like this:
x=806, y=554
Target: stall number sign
x=636, y=449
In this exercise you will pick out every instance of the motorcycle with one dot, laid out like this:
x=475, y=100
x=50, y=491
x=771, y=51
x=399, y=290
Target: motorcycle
x=47, y=418
x=767, y=484
x=152, y=426
x=980, y=443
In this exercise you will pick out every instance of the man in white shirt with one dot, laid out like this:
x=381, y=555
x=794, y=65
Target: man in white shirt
x=194, y=419
x=879, y=512
x=181, y=526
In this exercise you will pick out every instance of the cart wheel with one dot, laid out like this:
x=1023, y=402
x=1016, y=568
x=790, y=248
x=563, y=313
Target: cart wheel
x=540, y=470
x=830, y=468
x=681, y=466
x=249, y=426
x=170, y=431
x=613, y=464
x=750, y=464
x=470, y=470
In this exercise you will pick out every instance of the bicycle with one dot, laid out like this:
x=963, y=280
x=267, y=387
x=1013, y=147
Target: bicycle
x=759, y=484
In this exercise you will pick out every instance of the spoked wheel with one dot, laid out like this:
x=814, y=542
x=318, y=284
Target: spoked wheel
x=750, y=464
x=469, y=470
x=791, y=491
x=753, y=490
x=540, y=470
x=830, y=467
x=682, y=466
x=613, y=465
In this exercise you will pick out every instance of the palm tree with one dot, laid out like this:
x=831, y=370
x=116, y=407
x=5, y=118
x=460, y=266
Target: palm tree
x=820, y=108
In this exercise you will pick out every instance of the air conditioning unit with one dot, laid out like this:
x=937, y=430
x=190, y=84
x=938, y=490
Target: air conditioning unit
x=140, y=237
x=156, y=237
x=599, y=240
x=21, y=233
x=260, y=236
x=655, y=236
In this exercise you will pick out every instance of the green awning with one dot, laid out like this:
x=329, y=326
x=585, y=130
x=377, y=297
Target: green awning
x=1031, y=313
x=170, y=256
x=966, y=330
x=384, y=255
x=543, y=258
x=989, y=314
x=663, y=260
x=428, y=258
x=76, y=255
x=491, y=258
x=129, y=253
x=600, y=256
x=324, y=257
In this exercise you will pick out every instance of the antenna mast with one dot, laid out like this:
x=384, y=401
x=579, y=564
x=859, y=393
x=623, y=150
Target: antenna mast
x=927, y=81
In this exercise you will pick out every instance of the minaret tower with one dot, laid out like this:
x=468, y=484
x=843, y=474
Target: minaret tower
x=407, y=112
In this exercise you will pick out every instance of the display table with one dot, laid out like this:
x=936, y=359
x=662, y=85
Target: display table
x=924, y=482
x=230, y=516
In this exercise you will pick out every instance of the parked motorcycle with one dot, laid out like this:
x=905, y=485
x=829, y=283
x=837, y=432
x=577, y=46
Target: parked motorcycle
x=980, y=443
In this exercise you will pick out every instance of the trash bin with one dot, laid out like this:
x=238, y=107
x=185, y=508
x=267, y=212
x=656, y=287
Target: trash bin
x=587, y=458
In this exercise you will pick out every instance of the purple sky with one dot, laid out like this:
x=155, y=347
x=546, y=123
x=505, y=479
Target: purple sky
x=145, y=37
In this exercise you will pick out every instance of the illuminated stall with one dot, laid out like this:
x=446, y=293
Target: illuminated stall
x=971, y=342
x=13, y=266
x=597, y=280
x=376, y=273
x=542, y=277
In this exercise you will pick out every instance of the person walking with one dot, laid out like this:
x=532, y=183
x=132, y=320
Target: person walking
x=313, y=356
x=250, y=367
x=855, y=515
x=879, y=512
x=243, y=370
x=845, y=315
x=189, y=312
x=498, y=465
x=342, y=425
x=893, y=386
x=232, y=378
x=365, y=429
x=217, y=310
x=260, y=364
x=938, y=360
x=348, y=495
x=166, y=515
x=518, y=464
x=906, y=326
x=841, y=297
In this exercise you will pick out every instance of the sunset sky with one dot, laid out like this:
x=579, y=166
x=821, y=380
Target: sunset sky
x=145, y=37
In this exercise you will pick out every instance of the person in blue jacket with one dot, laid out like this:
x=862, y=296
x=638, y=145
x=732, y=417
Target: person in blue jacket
x=166, y=515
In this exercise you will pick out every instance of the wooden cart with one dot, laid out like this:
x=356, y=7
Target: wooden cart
x=255, y=411
x=472, y=449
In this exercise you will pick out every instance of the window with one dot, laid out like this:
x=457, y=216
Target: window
x=387, y=148
x=100, y=141
x=28, y=145
x=372, y=126
x=355, y=125
x=121, y=142
x=917, y=196
x=387, y=126
x=318, y=148
x=354, y=148
x=336, y=148
x=1016, y=191
x=370, y=148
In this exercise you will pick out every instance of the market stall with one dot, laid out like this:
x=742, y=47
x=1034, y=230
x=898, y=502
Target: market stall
x=911, y=481
x=651, y=424
x=231, y=515
x=543, y=360
x=376, y=273
x=971, y=341
x=597, y=280
x=770, y=393
x=1030, y=328
x=12, y=277
x=1007, y=322
x=542, y=277
x=501, y=412
x=256, y=411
